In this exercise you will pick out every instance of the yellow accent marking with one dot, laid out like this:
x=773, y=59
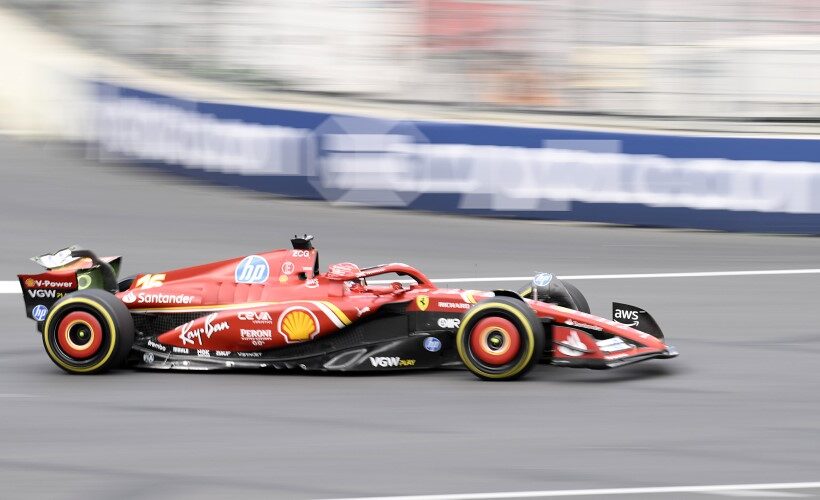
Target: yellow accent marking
x=524, y=322
x=108, y=320
x=283, y=279
x=250, y=305
x=527, y=293
x=338, y=312
x=150, y=281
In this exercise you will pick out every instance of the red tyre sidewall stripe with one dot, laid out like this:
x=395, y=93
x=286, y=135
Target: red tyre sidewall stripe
x=67, y=346
x=478, y=344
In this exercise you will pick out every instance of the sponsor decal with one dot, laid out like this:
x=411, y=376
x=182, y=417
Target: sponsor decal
x=453, y=305
x=572, y=340
x=181, y=350
x=570, y=322
x=432, y=344
x=222, y=353
x=300, y=253
x=150, y=281
x=312, y=283
x=361, y=311
x=44, y=294
x=297, y=324
x=39, y=312
x=283, y=278
x=203, y=353
x=422, y=301
x=627, y=317
x=256, y=337
x=252, y=269
x=390, y=361
x=156, y=298
x=47, y=283
x=449, y=322
x=542, y=279
x=188, y=334
x=249, y=354
x=148, y=358
x=259, y=317
x=613, y=345
x=288, y=268
x=156, y=345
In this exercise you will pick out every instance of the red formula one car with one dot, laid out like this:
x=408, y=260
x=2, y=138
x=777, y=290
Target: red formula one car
x=276, y=310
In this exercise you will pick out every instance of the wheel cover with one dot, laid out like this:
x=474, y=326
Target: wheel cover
x=495, y=341
x=79, y=335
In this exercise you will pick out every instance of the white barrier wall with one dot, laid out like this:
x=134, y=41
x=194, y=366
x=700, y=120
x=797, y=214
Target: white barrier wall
x=42, y=90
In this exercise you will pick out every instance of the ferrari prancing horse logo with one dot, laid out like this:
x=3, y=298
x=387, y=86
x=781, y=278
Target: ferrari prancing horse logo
x=422, y=301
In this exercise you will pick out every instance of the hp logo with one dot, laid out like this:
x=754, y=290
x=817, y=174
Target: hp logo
x=252, y=269
x=39, y=312
x=542, y=279
x=432, y=344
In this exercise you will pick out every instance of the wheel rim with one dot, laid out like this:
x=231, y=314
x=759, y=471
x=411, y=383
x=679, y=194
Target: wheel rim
x=79, y=335
x=495, y=341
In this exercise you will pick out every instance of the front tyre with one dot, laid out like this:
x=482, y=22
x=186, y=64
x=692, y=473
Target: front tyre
x=581, y=303
x=89, y=331
x=500, y=339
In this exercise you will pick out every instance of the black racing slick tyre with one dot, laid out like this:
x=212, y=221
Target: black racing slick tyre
x=89, y=331
x=500, y=339
x=577, y=297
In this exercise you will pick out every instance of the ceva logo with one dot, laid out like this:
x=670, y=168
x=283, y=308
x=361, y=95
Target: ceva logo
x=252, y=269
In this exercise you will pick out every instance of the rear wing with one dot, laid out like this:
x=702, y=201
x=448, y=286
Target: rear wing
x=67, y=270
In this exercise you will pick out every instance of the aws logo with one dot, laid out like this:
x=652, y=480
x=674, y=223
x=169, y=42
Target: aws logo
x=298, y=324
x=628, y=317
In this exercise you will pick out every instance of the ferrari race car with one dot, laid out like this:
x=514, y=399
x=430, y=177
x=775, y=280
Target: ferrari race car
x=275, y=310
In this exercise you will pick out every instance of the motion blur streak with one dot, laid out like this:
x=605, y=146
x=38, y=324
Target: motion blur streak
x=700, y=58
x=728, y=488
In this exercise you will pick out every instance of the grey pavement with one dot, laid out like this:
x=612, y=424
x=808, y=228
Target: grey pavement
x=740, y=405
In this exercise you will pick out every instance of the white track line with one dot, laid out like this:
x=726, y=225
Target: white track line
x=606, y=491
x=14, y=286
x=699, y=274
x=10, y=287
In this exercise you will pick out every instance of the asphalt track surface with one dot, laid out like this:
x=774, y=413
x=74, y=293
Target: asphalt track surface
x=740, y=405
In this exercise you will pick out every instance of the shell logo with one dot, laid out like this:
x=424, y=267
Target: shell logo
x=298, y=324
x=30, y=282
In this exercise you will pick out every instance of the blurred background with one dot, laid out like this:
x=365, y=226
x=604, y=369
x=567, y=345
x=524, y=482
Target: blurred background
x=647, y=112
x=749, y=59
x=733, y=59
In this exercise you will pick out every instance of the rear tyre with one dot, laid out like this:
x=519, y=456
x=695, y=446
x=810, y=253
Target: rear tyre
x=577, y=297
x=500, y=339
x=89, y=331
